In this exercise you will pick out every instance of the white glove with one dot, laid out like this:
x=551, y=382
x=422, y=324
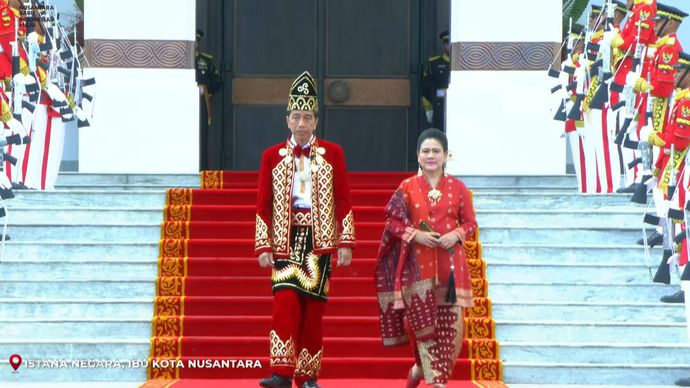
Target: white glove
x=631, y=78
x=651, y=52
x=430, y=116
x=608, y=35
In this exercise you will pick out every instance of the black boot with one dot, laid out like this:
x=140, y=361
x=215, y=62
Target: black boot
x=683, y=382
x=653, y=239
x=276, y=381
x=627, y=190
x=678, y=297
x=310, y=384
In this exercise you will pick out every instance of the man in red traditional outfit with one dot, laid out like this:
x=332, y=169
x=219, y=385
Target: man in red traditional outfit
x=303, y=215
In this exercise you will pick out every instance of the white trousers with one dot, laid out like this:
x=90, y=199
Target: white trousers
x=45, y=150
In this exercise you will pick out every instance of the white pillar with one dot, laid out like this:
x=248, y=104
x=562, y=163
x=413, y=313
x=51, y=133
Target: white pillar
x=147, y=102
x=498, y=115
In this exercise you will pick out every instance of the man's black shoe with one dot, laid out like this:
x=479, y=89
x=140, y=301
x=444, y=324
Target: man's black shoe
x=276, y=381
x=19, y=186
x=627, y=190
x=310, y=384
x=653, y=239
x=683, y=382
x=678, y=297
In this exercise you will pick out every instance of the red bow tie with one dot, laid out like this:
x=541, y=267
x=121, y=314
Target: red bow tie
x=299, y=151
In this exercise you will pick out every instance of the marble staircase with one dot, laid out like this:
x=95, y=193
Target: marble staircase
x=572, y=296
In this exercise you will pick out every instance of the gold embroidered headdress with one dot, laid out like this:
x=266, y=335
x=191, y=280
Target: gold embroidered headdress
x=303, y=94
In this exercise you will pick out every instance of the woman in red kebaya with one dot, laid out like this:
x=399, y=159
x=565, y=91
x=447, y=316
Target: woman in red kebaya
x=422, y=277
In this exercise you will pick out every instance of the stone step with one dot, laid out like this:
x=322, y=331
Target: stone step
x=194, y=180
x=78, y=348
x=86, y=287
x=191, y=180
x=102, y=328
x=532, y=352
x=147, y=268
x=563, y=291
x=92, y=215
x=122, y=270
x=524, y=201
x=113, y=199
x=76, y=232
x=603, y=332
x=507, y=291
x=124, y=328
x=52, y=308
x=75, y=378
x=576, y=273
x=144, y=187
x=559, y=235
x=614, y=218
x=612, y=372
x=616, y=252
x=79, y=250
x=67, y=231
x=125, y=187
x=625, y=311
x=129, y=308
x=153, y=198
x=591, y=352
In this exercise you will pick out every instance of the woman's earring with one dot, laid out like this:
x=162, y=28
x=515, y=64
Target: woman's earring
x=419, y=169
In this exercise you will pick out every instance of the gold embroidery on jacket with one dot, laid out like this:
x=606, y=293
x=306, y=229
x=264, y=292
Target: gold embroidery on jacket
x=323, y=204
x=348, y=233
x=282, y=194
x=261, y=237
x=301, y=219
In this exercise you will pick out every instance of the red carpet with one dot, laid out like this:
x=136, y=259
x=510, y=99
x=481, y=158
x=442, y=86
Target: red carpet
x=213, y=304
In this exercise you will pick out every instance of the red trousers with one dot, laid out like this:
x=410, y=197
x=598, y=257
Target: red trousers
x=296, y=337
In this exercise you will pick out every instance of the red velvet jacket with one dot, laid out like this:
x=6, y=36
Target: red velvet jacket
x=331, y=211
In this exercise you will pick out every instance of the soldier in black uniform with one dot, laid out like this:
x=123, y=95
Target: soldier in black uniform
x=208, y=79
x=435, y=78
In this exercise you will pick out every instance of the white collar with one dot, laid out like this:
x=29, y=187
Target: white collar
x=294, y=143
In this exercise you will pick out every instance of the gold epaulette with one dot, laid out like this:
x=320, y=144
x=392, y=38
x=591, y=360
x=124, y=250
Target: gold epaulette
x=598, y=34
x=665, y=41
x=434, y=58
x=23, y=66
x=70, y=101
x=5, y=113
x=42, y=77
x=207, y=55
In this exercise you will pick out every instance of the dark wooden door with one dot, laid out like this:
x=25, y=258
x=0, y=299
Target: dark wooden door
x=365, y=55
